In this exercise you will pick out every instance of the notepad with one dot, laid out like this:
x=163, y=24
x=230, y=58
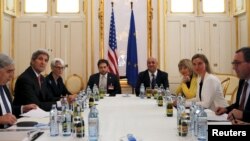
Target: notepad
x=211, y=116
x=36, y=113
x=13, y=136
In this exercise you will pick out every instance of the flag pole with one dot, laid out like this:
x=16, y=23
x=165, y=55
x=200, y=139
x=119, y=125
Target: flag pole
x=132, y=62
x=131, y=4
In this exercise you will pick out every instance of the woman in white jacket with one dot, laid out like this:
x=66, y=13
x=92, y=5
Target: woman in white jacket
x=209, y=90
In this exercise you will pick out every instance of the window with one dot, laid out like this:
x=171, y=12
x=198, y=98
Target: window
x=197, y=7
x=36, y=6
x=183, y=6
x=213, y=6
x=67, y=6
x=52, y=7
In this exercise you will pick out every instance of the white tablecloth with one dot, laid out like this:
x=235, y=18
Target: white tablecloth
x=123, y=115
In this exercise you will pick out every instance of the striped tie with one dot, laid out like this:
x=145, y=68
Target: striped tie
x=153, y=81
x=6, y=106
x=243, y=96
x=39, y=80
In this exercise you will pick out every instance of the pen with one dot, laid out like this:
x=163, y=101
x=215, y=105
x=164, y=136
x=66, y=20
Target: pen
x=38, y=134
x=234, y=118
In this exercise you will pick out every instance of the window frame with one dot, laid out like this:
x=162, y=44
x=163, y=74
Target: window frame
x=181, y=13
x=226, y=10
x=23, y=13
x=51, y=6
x=198, y=10
x=81, y=9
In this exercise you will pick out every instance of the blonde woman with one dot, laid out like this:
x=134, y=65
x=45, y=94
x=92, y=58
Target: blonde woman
x=188, y=86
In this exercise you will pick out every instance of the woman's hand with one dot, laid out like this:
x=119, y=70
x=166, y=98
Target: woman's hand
x=185, y=79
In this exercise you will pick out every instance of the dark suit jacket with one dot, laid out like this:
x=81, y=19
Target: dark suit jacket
x=28, y=91
x=16, y=110
x=111, y=80
x=57, y=90
x=143, y=77
x=246, y=112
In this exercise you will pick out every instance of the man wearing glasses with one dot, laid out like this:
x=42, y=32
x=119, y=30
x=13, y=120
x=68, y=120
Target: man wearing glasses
x=240, y=110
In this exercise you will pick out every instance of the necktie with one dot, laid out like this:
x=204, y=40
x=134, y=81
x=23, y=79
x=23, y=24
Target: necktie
x=4, y=100
x=39, y=80
x=153, y=81
x=201, y=84
x=243, y=96
x=103, y=82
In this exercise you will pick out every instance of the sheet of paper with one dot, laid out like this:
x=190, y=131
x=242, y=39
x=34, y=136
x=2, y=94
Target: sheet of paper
x=211, y=116
x=36, y=113
x=13, y=136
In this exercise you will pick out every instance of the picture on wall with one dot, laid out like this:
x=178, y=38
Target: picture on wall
x=10, y=7
x=239, y=7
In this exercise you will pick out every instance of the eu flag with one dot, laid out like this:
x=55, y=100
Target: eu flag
x=132, y=65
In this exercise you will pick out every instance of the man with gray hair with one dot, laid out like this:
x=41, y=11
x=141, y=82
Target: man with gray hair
x=30, y=86
x=8, y=111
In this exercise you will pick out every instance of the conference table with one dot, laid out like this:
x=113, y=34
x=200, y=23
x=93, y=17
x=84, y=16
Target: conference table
x=121, y=115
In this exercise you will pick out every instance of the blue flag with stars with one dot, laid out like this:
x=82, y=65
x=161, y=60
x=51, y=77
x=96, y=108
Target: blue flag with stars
x=132, y=65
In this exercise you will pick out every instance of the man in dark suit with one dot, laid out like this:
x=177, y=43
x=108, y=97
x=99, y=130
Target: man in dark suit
x=152, y=76
x=241, y=108
x=30, y=86
x=104, y=79
x=8, y=112
x=54, y=80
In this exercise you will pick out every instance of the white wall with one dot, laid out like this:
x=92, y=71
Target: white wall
x=7, y=37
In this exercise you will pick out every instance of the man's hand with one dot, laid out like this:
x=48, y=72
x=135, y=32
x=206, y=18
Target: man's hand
x=220, y=110
x=71, y=98
x=7, y=119
x=29, y=107
x=235, y=113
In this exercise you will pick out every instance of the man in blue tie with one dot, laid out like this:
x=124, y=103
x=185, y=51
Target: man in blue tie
x=8, y=112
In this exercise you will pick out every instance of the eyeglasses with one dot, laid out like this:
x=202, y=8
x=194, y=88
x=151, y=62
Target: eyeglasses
x=237, y=63
x=60, y=68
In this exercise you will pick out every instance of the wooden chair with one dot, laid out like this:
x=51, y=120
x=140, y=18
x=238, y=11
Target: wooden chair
x=74, y=84
x=233, y=97
x=231, y=89
x=225, y=83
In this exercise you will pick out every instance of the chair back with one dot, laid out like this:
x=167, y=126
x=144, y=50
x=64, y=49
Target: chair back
x=225, y=83
x=233, y=97
x=231, y=89
x=74, y=84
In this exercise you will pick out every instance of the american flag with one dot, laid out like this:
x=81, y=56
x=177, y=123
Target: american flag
x=112, y=51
